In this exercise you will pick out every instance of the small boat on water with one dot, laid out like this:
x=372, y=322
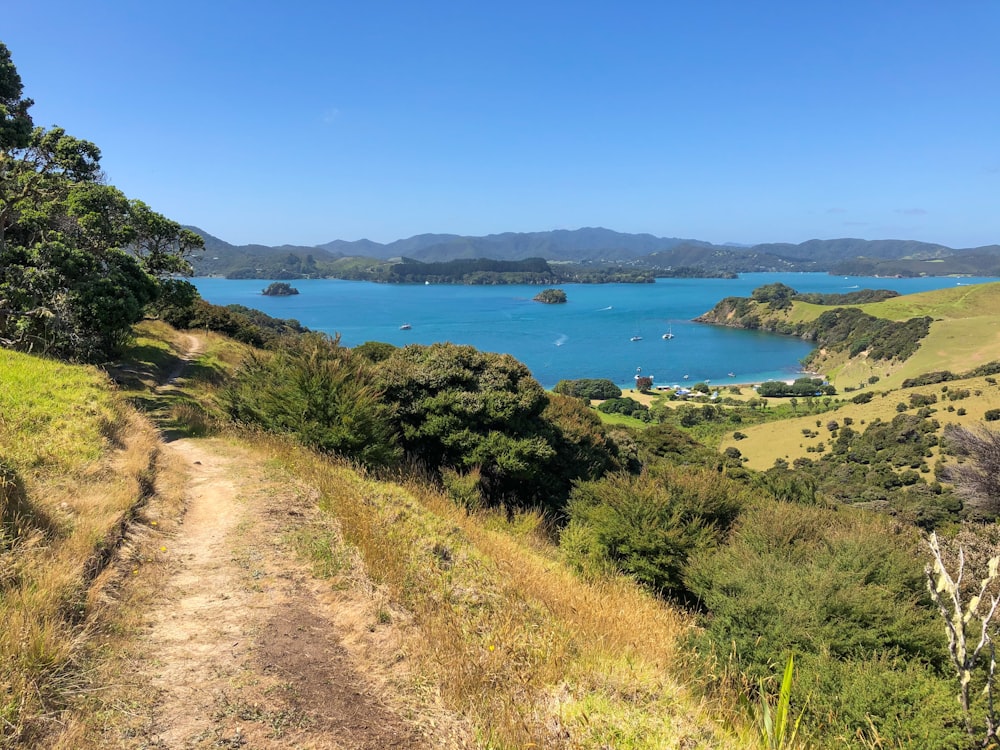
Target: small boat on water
x=636, y=338
x=405, y=327
x=668, y=335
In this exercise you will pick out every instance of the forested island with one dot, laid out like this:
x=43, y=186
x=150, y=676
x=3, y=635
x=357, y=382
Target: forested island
x=279, y=289
x=551, y=297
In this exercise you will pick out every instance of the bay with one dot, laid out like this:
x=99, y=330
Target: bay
x=588, y=337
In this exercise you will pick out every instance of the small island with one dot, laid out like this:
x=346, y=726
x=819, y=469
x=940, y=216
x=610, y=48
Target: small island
x=280, y=289
x=551, y=296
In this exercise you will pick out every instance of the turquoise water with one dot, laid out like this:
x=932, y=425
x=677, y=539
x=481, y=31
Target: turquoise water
x=588, y=337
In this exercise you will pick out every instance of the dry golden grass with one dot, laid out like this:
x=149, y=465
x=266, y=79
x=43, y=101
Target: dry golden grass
x=84, y=460
x=509, y=637
x=784, y=439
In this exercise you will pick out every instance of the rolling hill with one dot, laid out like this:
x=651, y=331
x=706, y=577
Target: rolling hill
x=595, y=246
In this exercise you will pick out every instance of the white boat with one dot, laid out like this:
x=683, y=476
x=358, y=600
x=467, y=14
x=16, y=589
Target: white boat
x=636, y=338
x=405, y=327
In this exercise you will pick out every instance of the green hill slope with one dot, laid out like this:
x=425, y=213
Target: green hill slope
x=74, y=464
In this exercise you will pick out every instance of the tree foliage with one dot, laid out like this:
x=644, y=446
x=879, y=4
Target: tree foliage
x=589, y=388
x=79, y=262
x=844, y=590
x=647, y=526
x=461, y=408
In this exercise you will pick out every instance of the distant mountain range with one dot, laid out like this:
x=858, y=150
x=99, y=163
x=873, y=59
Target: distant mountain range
x=600, y=247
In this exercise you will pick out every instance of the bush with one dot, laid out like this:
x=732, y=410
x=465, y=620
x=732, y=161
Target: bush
x=844, y=590
x=627, y=406
x=318, y=392
x=589, y=388
x=454, y=406
x=647, y=526
x=992, y=415
x=921, y=399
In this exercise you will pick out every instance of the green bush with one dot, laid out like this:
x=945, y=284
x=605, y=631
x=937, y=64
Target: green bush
x=647, y=526
x=318, y=392
x=627, y=406
x=845, y=589
x=818, y=581
x=863, y=398
x=589, y=388
x=454, y=406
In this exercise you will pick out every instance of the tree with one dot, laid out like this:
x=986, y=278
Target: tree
x=79, y=262
x=161, y=245
x=459, y=408
x=15, y=122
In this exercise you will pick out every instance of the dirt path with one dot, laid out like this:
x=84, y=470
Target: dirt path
x=243, y=650
x=243, y=646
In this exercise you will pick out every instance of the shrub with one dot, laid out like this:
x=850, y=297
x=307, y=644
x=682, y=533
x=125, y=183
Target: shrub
x=921, y=399
x=845, y=591
x=454, y=406
x=589, y=388
x=463, y=489
x=627, y=406
x=318, y=392
x=992, y=415
x=863, y=398
x=647, y=526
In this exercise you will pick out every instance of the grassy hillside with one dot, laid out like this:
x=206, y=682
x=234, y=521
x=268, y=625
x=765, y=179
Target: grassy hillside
x=964, y=334
x=497, y=624
x=784, y=439
x=75, y=462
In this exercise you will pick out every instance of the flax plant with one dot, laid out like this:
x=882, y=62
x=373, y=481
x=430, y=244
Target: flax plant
x=967, y=623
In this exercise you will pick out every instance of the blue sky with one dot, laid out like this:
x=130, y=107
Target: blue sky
x=303, y=122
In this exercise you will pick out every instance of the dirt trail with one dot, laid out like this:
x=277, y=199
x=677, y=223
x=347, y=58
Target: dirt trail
x=244, y=647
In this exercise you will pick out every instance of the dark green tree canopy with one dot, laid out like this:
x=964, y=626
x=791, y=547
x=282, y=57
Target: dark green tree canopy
x=79, y=261
x=467, y=410
x=15, y=122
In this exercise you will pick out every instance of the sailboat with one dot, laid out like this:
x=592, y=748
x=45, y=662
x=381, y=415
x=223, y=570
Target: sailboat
x=637, y=336
x=669, y=334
